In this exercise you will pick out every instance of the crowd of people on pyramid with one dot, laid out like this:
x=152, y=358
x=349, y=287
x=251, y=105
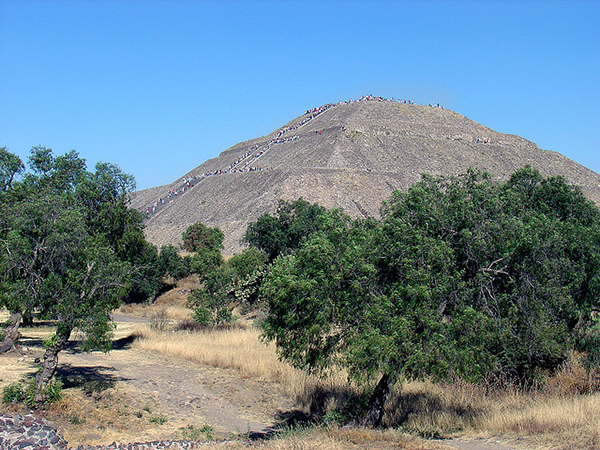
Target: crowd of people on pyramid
x=243, y=163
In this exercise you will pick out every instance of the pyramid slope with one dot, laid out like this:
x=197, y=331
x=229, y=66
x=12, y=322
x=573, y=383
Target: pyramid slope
x=350, y=155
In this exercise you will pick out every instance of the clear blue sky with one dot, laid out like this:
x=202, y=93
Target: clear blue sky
x=158, y=87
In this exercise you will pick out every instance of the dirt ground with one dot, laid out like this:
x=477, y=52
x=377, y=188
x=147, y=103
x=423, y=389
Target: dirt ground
x=131, y=395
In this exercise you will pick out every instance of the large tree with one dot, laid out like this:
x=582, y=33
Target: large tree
x=69, y=247
x=283, y=232
x=462, y=276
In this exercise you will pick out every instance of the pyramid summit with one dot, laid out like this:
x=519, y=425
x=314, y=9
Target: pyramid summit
x=351, y=154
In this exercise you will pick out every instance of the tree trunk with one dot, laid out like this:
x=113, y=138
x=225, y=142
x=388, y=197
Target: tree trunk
x=11, y=334
x=27, y=319
x=49, y=365
x=377, y=402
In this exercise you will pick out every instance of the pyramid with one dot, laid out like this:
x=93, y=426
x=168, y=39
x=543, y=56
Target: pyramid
x=351, y=155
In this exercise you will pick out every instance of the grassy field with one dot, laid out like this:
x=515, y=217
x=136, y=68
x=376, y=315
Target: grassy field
x=557, y=417
x=561, y=416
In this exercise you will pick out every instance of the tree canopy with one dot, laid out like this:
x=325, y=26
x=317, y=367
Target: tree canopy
x=200, y=238
x=461, y=277
x=283, y=232
x=224, y=287
x=70, y=246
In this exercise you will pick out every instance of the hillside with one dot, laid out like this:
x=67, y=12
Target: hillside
x=350, y=155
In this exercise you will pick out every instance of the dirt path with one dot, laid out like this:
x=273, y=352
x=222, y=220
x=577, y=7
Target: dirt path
x=188, y=392
x=185, y=391
x=191, y=393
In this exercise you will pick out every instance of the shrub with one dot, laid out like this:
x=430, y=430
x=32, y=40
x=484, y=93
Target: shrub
x=23, y=392
x=13, y=393
x=187, y=325
x=200, y=238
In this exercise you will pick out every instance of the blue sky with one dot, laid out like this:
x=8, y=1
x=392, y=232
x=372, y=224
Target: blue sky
x=158, y=87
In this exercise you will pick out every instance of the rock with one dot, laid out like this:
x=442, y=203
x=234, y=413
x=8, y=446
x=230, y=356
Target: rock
x=29, y=433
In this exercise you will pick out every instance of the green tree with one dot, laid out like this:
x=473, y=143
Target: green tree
x=10, y=166
x=171, y=264
x=247, y=263
x=200, y=238
x=210, y=303
x=227, y=285
x=69, y=246
x=203, y=263
x=462, y=276
x=206, y=243
x=282, y=233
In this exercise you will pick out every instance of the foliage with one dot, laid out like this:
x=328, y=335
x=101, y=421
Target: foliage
x=24, y=392
x=200, y=238
x=203, y=263
x=210, y=303
x=70, y=249
x=13, y=393
x=247, y=263
x=207, y=243
x=171, y=264
x=158, y=420
x=314, y=292
x=462, y=276
x=588, y=341
x=283, y=233
x=192, y=433
x=10, y=166
x=225, y=287
x=147, y=279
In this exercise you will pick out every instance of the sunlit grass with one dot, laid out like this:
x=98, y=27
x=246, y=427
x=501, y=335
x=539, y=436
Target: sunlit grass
x=232, y=348
x=555, y=416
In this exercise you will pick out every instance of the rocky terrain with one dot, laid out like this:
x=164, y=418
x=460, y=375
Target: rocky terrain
x=350, y=155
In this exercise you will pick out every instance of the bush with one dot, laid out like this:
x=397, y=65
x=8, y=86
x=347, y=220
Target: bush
x=160, y=320
x=158, y=420
x=211, y=303
x=210, y=312
x=199, y=238
x=203, y=316
x=23, y=392
x=53, y=390
x=187, y=325
x=13, y=393
x=573, y=377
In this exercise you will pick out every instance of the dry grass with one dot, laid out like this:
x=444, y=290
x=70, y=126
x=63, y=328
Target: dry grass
x=563, y=421
x=563, y=416
x=238, y=348
x=573, y=421
x=170, y=306
x=558, y=416
x=335, y=439
x=346, y=438
x=156, y=311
